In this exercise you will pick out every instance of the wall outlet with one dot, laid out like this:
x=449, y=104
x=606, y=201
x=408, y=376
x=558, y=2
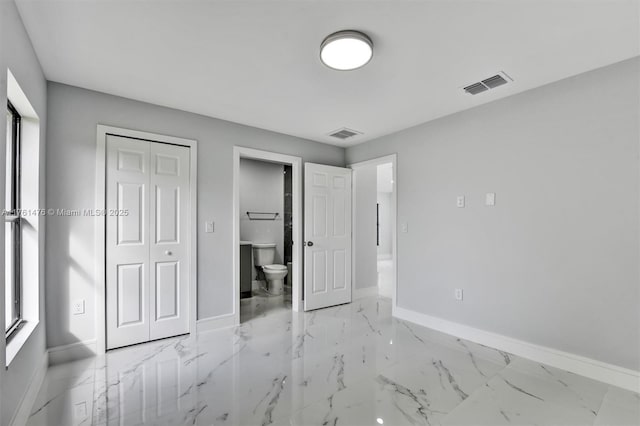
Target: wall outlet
x=458, y=294
x=77, y=308
x=490, y=199
x=460, y=201
x=404, y=228
x=208, y=227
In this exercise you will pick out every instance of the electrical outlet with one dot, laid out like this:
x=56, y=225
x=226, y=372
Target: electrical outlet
x=77, y=308
x=208, y=227
x=460, y=201
x=458, y=294
x=490, y=199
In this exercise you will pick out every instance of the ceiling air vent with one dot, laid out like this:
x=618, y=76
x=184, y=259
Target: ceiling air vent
x=474, y=89
x=488, y=83
x=344, y=133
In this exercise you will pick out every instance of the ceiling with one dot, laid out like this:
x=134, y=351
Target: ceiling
x=257, y=62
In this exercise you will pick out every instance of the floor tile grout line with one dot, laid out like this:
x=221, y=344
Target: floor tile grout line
x=604, y=397
x=476, y=390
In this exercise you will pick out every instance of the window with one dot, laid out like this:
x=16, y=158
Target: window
x=13, y=287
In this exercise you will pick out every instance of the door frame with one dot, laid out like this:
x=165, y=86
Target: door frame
x=296, y=270
x=100, y=223
x=393, y=159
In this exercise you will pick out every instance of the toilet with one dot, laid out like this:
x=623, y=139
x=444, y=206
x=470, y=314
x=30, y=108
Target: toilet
x=263, y=258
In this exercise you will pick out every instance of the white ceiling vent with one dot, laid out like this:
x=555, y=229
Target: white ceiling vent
x=488, y=83
x=344, y=133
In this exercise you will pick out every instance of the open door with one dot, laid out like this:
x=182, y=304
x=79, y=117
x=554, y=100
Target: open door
x=327, y=233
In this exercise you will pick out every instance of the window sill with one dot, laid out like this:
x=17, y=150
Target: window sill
x=17, y=342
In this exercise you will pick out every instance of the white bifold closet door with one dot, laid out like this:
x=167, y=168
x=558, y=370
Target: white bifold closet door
x=147, y=240
x=327, y=234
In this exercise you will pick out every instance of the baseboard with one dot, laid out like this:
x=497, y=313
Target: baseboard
x=361, y=293
x=215, y=323
x=597, y=370
x=72, y=352
x=23, y=412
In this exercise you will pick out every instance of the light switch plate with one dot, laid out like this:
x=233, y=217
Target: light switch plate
x=490, y=199
x=404, y=227
x=208, y=227
x=460, y=201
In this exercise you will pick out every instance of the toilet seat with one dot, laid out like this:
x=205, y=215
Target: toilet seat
x=275, y=267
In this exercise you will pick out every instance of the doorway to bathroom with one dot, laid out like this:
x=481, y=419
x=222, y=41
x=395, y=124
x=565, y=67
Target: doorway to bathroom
x=374, y=230
x=267, y=230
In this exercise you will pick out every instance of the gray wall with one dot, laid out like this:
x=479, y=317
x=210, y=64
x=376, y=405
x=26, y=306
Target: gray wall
x=364, y=226
x=17, y=54
x=555, y=262
x=74, y=114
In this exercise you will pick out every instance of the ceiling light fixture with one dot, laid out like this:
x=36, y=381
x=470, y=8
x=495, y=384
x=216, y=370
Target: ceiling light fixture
x=346, y=50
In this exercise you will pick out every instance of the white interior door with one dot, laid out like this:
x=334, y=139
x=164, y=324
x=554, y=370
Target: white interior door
x=147, y=241
x=327, y=233
x=127, y=236
x=169, y=242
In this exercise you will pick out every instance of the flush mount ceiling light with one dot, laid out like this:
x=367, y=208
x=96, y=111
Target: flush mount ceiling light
x=346, y=50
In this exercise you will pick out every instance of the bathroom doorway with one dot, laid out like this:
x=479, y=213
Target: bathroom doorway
x=267, y=230
x=374, y=230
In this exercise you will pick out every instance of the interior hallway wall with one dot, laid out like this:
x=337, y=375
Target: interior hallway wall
x=71, y=158
x=555, y=262
x=17, y=54
x=384, y=219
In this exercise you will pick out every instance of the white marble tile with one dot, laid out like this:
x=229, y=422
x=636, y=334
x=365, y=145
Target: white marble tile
x=363, y=404
x=529, y=393
x=349, y=365
x=66, y=396
x=567, y=388
x=619, y=408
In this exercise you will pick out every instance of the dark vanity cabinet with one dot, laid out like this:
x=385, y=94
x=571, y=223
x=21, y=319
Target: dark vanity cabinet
x=246, y=265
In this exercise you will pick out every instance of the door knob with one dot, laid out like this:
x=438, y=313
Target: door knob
x=310, y=243
x=168, y=253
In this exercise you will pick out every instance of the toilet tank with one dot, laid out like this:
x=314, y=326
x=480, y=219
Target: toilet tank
x=264, y=254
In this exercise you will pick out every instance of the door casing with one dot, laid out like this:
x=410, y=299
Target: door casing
x=297, y=259
x=100, y=223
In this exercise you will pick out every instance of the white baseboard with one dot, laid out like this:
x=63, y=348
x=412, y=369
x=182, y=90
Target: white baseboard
x=25, y=406
x=597, y=370
x=72, y=352
x=361, y=293
x=215, y=323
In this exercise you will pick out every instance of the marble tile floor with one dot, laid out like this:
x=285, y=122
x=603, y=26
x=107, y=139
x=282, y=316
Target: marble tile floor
x=261, y=304
x=347, y=365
